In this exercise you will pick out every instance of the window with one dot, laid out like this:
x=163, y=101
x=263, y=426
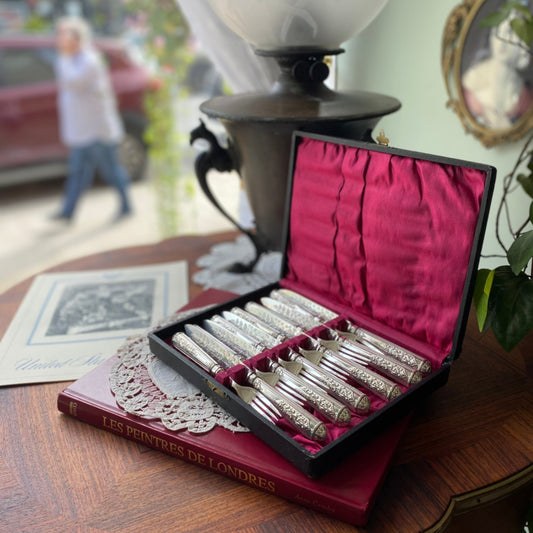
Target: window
x=23, y=66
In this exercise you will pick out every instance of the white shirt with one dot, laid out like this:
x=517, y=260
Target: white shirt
x=86, y=101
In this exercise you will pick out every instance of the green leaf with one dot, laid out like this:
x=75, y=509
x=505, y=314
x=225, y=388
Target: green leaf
x=530, y=163
x=520, y=252
x=531, y=213
x=524, y=30
x=519, y=6
x=496, y=18
x=511, y=304
x=527, y=183
x=484, y=279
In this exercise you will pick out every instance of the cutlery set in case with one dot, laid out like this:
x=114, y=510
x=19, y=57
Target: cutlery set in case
x=381, y=249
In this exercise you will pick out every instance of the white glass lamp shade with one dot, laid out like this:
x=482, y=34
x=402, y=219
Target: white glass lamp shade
x=317, y=24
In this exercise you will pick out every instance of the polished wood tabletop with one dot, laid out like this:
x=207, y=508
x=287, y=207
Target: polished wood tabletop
x=464, y=464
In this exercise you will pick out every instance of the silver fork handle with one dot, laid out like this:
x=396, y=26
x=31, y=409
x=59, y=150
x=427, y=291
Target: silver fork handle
x=379, y=385
x=385, y=364
x=401, y=354
x=306, y=423
x=389, y=366
x=345, y=393
x=329, y=407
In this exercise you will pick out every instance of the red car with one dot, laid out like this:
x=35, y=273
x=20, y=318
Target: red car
x=30, y=148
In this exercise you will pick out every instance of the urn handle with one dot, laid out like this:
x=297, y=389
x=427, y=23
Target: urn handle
x=222, y=159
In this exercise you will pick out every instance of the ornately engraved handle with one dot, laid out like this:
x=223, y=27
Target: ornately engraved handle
x=383, y=387
x=389, y=366
x=250, y=329
x=242, y=334
x=405, y=356
x=273, y=319
x=332, y=409
x=188, y=347
x=318, y=310
x=342, y=391
x=302, y=420
x=294, y=314
x=275, y=333
x=212, y=346
x=231, y=339
x=394, y=369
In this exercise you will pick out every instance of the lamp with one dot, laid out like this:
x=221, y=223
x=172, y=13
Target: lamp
x=299, y=34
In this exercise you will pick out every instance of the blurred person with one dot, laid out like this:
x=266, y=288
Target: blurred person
x=89, y=123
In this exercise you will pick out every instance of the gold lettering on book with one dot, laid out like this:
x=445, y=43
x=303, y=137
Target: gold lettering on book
x=153, y=441
x=188, y=454
x=241, y=475
x=73, y=409
x=231, y=471
x=113, y=425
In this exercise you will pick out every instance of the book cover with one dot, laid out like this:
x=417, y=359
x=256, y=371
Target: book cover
x=348, y=492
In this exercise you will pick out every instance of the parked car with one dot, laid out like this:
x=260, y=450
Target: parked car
x=30, y=148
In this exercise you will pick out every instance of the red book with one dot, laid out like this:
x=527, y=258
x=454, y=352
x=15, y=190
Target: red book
x=348, y=492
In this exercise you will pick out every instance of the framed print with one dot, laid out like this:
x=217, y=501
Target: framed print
x=70, y=322
x=488, y=73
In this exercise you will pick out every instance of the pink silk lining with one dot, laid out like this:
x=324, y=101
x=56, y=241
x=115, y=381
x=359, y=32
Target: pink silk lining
x=384, y=237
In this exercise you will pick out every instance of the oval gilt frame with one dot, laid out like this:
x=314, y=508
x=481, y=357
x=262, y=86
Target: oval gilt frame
x=466, y=56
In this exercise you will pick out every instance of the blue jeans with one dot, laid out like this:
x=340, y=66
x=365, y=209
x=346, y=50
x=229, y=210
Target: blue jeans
x=83, y=161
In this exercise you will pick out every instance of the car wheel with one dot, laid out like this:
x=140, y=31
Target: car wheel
x=133, y=149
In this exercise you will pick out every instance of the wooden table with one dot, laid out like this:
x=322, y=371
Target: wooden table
x=465, y=463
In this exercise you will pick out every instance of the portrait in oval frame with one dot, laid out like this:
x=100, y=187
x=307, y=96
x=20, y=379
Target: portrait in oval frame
x=488, y=73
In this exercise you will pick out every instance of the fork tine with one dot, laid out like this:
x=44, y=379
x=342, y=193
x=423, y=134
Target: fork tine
x=355, y=357
x=266, y=406
x=334, y=369
x=263, y=411
x=291, y=392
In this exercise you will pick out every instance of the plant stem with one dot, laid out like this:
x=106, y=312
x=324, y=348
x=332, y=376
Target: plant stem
x=520, y=44
x=494, y=256
x=519, y=231
x=507, y=182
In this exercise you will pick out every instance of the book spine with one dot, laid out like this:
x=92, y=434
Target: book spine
x=131, y=429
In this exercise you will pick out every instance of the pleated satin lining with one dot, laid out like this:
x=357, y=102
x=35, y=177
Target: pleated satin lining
x=384, y=239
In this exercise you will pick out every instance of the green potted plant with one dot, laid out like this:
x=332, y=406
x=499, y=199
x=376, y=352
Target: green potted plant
x=503, y=296
x=165, y=44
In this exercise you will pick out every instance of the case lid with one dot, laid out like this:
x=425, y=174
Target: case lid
x=385, y=234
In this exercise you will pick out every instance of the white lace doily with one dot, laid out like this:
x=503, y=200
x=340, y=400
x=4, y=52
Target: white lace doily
x=145, y=386
x=215, y=276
